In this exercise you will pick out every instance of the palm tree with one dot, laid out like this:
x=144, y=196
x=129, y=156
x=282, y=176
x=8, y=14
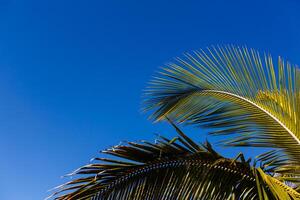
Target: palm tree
x=230, y=91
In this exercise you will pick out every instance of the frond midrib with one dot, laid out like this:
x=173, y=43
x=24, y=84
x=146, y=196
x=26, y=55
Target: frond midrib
x=173, y=164
x=259, y=107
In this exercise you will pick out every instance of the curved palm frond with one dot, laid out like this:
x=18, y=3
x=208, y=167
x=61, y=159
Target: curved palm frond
x=232, y=91
x=170, y=169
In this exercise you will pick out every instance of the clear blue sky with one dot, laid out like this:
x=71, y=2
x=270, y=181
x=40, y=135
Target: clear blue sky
x=72, y=73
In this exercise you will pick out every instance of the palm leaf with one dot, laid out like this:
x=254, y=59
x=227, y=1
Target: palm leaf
x=276, y=189
x=234, y=91
x=278, y=165
x=168, y=169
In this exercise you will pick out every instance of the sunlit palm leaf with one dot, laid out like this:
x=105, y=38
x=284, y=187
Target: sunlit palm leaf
x=276, y=189
x=168, y=169
x=232, y=90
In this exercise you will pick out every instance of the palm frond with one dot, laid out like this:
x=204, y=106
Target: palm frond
x=171, y=169
x=233, y=91
x=271, y=187
x=277, y=164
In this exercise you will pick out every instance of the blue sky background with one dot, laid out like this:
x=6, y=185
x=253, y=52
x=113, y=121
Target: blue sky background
x=72, y=73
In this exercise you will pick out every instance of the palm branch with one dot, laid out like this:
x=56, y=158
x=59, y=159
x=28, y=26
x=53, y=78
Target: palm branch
x=233, y=91
x=169, y=169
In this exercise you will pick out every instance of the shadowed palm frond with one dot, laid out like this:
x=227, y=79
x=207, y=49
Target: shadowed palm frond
x=169, y=169
x=232, y=91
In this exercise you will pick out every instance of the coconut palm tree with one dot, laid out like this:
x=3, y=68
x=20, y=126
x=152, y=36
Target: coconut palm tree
x=229, y=91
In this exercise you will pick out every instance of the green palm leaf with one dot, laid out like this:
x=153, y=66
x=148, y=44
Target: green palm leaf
x=170, y=169
x=235, y=91
x=276, y=189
